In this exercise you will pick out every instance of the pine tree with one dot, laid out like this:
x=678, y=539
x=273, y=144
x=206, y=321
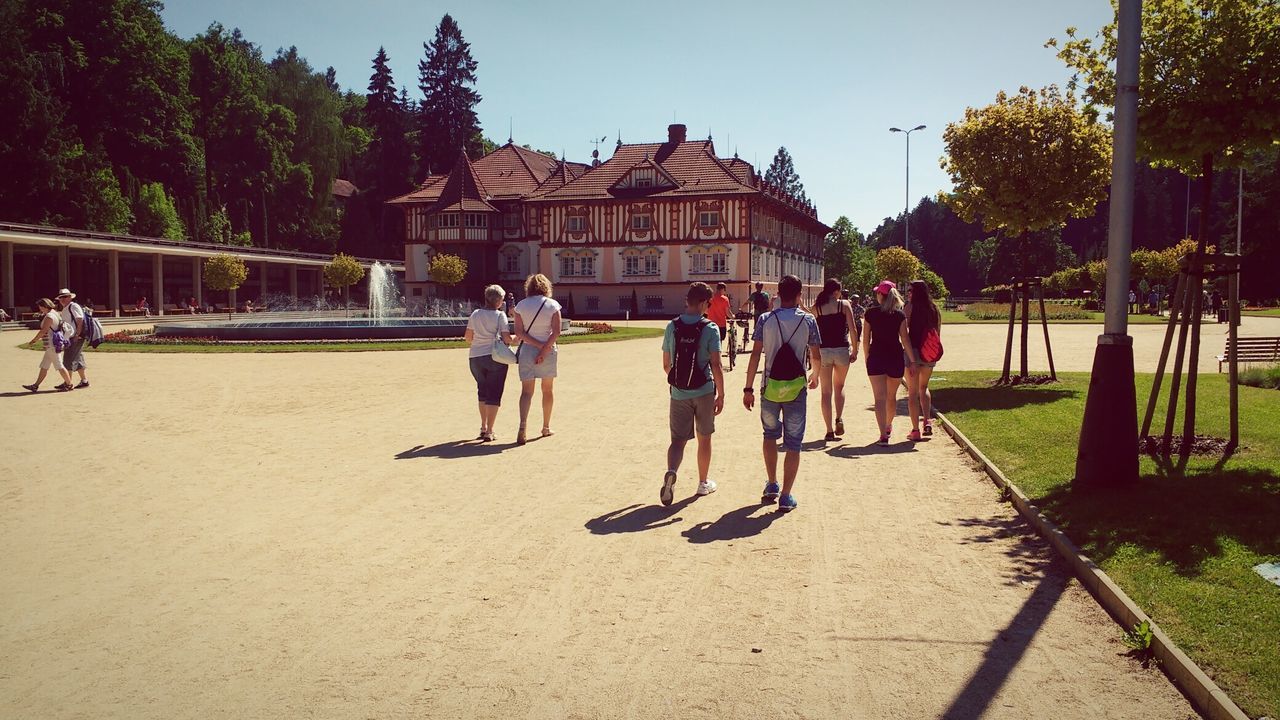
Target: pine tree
x=782, y=173
x=382, y=104
x=448, y=115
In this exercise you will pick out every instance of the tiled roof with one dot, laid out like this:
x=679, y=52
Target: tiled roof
x=508, y=173
x=464, y=191
x=428, y=191
x=741, y=169
x=564, y=173
x=692, y=165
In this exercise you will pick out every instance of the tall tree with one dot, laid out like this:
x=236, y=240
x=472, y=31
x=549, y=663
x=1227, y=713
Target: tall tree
x=782, y=173
x=838, y=247
x=446, y=77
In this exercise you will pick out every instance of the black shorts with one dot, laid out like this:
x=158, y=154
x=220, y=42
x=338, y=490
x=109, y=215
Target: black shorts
x=724, y=332
x=894, y=367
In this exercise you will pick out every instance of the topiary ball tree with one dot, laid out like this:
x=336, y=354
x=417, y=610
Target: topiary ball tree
x=226, y=273
x=342, y=272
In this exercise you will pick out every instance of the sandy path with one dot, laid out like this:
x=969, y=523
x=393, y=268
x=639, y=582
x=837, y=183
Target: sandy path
x=306, y=536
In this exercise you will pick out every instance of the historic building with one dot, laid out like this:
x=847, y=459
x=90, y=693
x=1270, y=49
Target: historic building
x=628, y=233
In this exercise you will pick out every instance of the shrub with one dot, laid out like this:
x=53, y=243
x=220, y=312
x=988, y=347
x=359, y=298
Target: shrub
x=448, y=270
x=1261, y=377
x=224, y=272
x=343, y=271
x=898, y=265
x=1055, y=311
x=937, y=288
x=594, y=328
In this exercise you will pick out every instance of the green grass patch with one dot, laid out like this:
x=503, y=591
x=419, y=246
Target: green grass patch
x=1182, y=543
x=619, y=333
x=1264, y=312
x=1261, y=377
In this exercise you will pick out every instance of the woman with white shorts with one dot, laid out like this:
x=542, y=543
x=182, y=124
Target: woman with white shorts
x=50, y=320
x=835, y=325
x=537, y=319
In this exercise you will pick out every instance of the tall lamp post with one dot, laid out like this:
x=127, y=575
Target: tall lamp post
x=906, y=245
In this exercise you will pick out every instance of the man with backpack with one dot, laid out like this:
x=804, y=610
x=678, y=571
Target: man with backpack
x=785, y=336
x=691, y=360
x=759, y=302
x=74, y=320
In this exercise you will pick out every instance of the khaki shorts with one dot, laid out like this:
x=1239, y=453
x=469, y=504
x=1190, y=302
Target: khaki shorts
x=699, y=412
x=51, y=359
x=832, y=357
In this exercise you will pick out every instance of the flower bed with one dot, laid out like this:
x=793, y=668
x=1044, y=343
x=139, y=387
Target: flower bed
x=997, y=311
x=594, y=328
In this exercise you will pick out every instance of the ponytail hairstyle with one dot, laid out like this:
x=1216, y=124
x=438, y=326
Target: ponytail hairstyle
x=830, y=288
x=923, y=306
x=45, y=303
x=892, y=301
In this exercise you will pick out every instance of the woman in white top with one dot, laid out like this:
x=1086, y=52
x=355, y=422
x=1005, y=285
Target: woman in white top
x=537, y=327
x=51, y=320
x=486, y=325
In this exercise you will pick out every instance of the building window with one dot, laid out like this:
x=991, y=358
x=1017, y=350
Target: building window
x=511, y=220
x=476, y=220
x=566, y=266
x=417, y=292
x=624, y=303
x=511, y=261
x=449, y=220
x=593, y=302
x=713, y=260
x=587, y=266
x=575, y=223
x=641, y=221
x=652, y=302
x=755, y=263
x=709, y=219
x=719, y=263
x=643, y=178
x=631, y=265
x=651, y=264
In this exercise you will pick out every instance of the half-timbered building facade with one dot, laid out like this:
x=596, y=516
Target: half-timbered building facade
x=626, y=234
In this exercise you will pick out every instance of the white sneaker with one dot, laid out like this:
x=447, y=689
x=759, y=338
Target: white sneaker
x=706, y=487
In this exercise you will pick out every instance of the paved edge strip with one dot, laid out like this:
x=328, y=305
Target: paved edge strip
x=1203, y=692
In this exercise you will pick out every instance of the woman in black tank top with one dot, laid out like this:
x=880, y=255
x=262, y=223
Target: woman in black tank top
x=923, y=316
x=884, y=340
x=835, y=319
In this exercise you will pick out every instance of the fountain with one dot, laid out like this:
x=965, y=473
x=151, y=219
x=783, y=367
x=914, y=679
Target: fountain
x=383, y=294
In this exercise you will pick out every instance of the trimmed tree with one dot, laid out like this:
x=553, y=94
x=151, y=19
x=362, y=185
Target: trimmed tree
x=448, y=270
x=225, y=273
x=342, y=272
x=1027, y=163
x=898, y=265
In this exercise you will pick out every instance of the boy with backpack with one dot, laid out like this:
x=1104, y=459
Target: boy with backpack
x=691, y=360
x=785, y=336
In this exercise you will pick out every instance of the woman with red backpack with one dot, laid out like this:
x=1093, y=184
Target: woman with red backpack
x=924, y=328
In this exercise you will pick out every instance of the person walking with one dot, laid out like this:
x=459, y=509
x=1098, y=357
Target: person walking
x=485, y=326
x=73, y=316
x=782, y=336
x=924, y=328
x=718, y=310
x=691, y=361
x=537, y=327
x=757, y=302
x=50, y=322
x=836, y=323
x=884, y=340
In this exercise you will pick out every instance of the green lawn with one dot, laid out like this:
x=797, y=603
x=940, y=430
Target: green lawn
x=1181, y=543
x=619, y=333
x=953, y=316
x=1267, y=312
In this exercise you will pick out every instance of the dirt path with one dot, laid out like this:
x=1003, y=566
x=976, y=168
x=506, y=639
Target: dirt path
x=311, y=536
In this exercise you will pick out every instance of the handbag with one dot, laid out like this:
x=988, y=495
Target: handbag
x=500, y=351
x=931, y=346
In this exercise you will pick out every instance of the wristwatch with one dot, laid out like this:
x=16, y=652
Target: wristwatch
x=748, y=390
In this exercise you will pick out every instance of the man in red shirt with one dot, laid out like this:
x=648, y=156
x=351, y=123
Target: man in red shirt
x=718, y=310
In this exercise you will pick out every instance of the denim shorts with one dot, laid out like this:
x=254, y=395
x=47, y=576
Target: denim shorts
x=529, y=370
x=785, y=420
x=832, y=357
x=490, y=376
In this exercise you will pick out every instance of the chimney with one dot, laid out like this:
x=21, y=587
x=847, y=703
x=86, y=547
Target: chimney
x=676, y=133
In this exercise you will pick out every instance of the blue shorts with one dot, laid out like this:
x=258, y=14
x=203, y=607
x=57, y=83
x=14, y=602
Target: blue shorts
x=785, y=420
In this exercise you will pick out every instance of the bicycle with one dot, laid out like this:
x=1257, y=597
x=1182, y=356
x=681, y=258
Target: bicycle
x=732, y=337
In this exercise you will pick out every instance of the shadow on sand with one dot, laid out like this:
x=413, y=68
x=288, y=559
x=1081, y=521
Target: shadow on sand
x=454, y=449
x=638, y=518
x=735, y=524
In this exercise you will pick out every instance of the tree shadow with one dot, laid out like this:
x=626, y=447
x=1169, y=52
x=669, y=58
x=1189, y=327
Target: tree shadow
x=454, y=449
x=1182, y=518
x=997, y=398
x=853, y=451
x=734, y=525
x=637, y=518
x=1031, y=558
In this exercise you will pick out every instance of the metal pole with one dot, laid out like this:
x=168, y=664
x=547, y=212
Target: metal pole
x=1108, y=449
x=1186, y=221
x=1232, y=313
x=906, y=198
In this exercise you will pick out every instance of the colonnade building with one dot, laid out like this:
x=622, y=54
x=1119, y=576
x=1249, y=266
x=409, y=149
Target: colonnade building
x=629, y=233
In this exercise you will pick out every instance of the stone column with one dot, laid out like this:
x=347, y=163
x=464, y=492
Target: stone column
x=263, y=287
x=197, y=280
x=6, y=276
x=157, y=283
x=64, y=267
x=293, y=281
x=113, y=281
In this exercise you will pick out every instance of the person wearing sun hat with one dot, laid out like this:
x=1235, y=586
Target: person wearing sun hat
x=73, y=317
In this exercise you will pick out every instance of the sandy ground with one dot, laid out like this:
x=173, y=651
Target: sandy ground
x=284, y=536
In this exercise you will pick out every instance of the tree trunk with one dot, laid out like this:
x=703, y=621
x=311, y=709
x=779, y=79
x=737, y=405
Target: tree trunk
x=1197, y=281
x=1026, y=305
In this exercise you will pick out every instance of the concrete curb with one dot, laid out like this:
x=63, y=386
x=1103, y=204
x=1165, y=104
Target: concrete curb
x=1199, y=688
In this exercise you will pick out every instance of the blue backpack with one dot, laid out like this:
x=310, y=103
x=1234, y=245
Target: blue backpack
x=93, y=334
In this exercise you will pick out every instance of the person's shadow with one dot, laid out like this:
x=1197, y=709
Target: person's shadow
x=637, y=518
x=734, y=525
x=453, y=449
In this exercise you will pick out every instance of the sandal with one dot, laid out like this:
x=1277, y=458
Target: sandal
x=547, y=432
x=487, y=437
x=928, y=427
x=831, y=437
x=884, y=440
x=520, y=437
x=914, y=436
x=839, y=426
x=64, y=387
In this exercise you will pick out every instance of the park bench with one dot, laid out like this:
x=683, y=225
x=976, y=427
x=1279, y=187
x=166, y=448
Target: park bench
x=1251, y=349
x=131, y=312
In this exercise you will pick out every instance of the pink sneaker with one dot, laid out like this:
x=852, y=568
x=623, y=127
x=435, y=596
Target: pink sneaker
x=914, y=436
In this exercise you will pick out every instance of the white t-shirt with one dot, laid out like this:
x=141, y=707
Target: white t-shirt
x=485, y=326
x=73, y=313
x=539, y=329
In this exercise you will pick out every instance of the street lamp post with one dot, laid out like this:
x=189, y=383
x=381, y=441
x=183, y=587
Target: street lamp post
x=906, y=244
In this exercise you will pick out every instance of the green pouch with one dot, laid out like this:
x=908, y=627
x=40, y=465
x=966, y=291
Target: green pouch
x=783, y=391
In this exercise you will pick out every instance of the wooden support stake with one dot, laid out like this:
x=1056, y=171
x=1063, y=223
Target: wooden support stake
x=1193, y=362
x=1026, y=324
x=1233, y=319
x=1044, y=323
x=1183, y=303
x=1164, y=357
x=1008, y=343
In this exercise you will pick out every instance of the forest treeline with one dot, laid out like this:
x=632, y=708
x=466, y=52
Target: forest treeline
x=116, y=124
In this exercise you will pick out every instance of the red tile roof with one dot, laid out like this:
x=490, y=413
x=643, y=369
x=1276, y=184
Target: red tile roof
x=692, y=165
x=463, y=191
x=508, y=173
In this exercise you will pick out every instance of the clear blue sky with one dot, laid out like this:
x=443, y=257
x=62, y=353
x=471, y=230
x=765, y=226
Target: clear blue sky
x=825, y=79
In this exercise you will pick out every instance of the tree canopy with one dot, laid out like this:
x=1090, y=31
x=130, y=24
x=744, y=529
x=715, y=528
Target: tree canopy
x=782, y=173
x=446, y=76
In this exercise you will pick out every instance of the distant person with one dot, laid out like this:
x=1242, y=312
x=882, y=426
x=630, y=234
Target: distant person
x=143, y=305
x=194, y=305
x=1133, y=302
x=50, y=322
x=924, y=329
x=510, y=303
x=537, y=327
x=859, y=309
x=718, y=310
x=248, y=306
x=757, y=302
x=691, y=361
x=73, y=318
x=884, y=342
x=835, y=324
x=4, y=315
x=484, y=327
x=786, y=337
x=1215, y=302
x=1153, y=302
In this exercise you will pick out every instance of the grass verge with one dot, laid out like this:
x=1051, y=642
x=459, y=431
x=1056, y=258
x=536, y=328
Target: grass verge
x=1182, y=543
x=1095, y=318
x=619, y=333
x=1265, y=312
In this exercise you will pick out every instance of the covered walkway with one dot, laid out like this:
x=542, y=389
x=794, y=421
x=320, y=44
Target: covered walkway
x=112, y=272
